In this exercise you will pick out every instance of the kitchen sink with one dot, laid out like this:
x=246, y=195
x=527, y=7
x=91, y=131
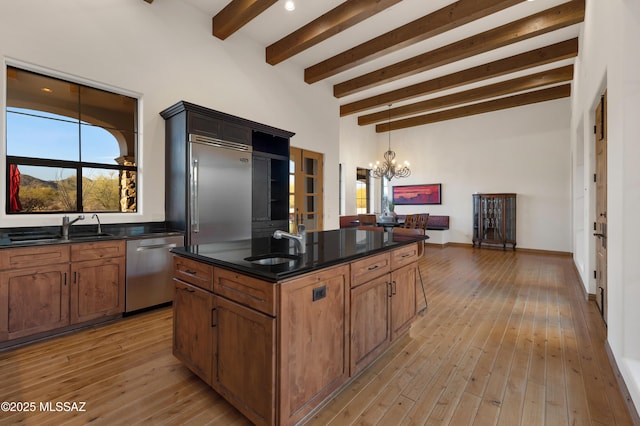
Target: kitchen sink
x=28, y=237
x=272, y=259
x=88, y=235
x=47, y=237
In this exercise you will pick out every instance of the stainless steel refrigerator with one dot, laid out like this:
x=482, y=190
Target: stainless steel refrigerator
x=219, y=190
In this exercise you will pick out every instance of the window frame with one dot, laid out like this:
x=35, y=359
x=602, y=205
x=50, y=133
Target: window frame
x=77, y=166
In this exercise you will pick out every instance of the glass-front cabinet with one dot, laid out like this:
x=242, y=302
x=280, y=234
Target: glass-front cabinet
x=494, y=219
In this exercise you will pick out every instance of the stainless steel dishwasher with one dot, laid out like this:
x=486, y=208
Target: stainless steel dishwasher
x=149, y=268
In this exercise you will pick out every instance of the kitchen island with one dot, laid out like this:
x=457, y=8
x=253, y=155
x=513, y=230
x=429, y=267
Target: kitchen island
x=277, y=333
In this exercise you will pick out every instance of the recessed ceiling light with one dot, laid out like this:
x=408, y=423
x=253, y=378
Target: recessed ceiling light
x=47, y=90
x=290, y=5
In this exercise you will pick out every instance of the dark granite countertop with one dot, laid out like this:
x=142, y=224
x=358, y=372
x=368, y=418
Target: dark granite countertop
x=41, y=235
x=323, y=249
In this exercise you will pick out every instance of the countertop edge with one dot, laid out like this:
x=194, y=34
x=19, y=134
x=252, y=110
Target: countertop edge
x=276, y=277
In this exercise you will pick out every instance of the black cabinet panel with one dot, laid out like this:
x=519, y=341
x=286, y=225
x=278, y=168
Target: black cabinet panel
x=202, y=125
x=261, y=189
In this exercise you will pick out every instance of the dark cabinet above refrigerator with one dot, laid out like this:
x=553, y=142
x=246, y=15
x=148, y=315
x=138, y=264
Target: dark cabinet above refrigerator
x=269, y=192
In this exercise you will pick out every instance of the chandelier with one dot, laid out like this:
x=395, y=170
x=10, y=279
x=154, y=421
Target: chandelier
x=389, y=168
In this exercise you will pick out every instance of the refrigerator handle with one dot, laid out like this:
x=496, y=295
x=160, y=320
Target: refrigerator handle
x=195, y=213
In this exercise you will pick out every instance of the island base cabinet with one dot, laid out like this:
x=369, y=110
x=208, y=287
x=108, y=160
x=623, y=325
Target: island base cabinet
x=313, y=325
x=403, y=299
x=34, y=300
x=192, y=334
x=370, y=330
x=245, y=361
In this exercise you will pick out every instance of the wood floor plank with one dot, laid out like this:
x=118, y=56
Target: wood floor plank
x=507, y=337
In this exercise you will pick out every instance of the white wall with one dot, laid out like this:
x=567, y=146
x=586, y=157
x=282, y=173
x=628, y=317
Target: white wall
x=525, y=150
x=165, y=52
x=609, y=59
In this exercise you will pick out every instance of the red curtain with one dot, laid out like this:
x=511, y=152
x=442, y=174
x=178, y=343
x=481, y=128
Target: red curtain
x=14, y=188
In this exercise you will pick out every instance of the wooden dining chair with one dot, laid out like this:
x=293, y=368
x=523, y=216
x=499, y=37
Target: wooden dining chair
x=367, y=219
x=421, y=248
x=411, y=221
x=423, y=218
x=371, y=228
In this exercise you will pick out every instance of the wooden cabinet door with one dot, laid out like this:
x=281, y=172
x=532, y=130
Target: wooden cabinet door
x=33, y=300
x=245, y=361
x=370, y=330
x=97, y=289
x=313, y=324
x=192, y=331
x=403, y=299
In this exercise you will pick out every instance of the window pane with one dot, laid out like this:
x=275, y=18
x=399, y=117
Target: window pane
x=40, y=137
x=110, y=110
x=42, y=189
x=31, y=91
x=100, y=145
x=100, y=190
x=310, y=166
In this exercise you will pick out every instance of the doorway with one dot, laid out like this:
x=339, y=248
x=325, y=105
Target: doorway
x=306, y=189
x=600, y=224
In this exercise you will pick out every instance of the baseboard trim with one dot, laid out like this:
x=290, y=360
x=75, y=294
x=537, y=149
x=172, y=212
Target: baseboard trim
x=522, y=250
x=631, y=408
x=549, y=252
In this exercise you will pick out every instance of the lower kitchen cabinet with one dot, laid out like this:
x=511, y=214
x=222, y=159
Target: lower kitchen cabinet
x=370, y=330
x=313, y=348
x=244, y=362
x=97, y=286
x=227, y=344
x=34, y=290
x=33, y=300
x=403, y=299
x=46, y=288
x=192, y=335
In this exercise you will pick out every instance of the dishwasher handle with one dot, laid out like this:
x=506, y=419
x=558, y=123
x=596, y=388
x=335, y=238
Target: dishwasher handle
x=156, y=246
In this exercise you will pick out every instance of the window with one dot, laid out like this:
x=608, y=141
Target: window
x=70, y=147
x=362, y=191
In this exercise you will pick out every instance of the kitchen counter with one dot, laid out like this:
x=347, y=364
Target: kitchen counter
x=42, y=235
x=323, y=249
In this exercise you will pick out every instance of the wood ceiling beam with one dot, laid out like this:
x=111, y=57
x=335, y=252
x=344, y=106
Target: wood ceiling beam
x=528, y=98
x=561, y=16
x=521, y=84
x=545, y=55
x=438, y=22
x=331, y=23
x=236, y=14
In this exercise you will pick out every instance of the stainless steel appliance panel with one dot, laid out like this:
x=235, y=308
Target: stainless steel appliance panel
x=220, y=191
x=149, y=269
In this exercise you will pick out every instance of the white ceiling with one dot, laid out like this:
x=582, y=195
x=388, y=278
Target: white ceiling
x=276, y=23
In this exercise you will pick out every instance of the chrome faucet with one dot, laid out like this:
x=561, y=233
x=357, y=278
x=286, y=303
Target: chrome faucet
x=66, y=225
x=95, y=216
x=300, y=238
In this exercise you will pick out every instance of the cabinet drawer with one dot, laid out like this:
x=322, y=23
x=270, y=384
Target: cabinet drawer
x=193, y=272
x=248, y=291
x=368, y=268
x=403, y=256
x=34, y=256
x=97, y=250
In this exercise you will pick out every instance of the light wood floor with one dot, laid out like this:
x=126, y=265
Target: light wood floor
x=508, y=339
